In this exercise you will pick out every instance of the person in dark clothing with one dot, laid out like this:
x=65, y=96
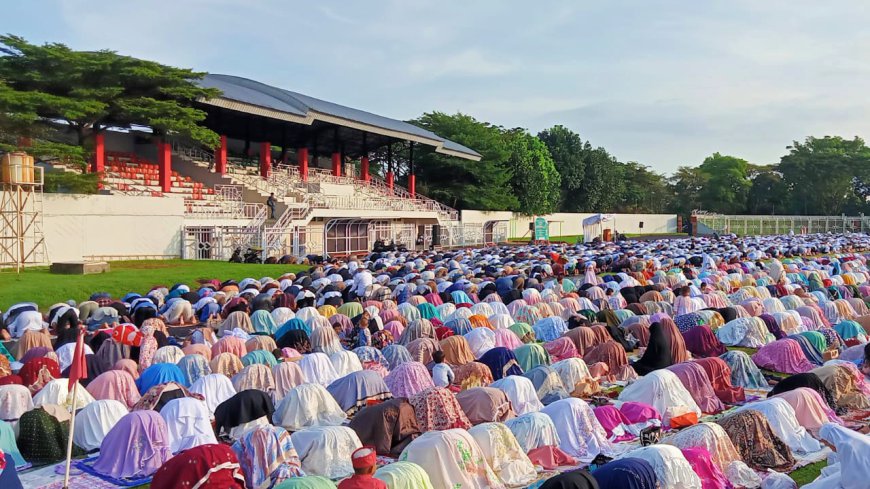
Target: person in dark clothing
x=271, y=201
x=657, y=354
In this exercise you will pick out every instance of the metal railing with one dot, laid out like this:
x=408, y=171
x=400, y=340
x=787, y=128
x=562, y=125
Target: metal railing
x=748, y=225
x=217, y=209
x=193, y=153
x=288, y=182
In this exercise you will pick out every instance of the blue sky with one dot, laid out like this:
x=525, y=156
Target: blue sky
x=661, y=82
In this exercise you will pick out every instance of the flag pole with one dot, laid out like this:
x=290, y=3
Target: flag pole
x=69, y=443
x=78, y=370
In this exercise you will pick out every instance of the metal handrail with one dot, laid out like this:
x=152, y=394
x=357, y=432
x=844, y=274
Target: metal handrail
x=192, y=153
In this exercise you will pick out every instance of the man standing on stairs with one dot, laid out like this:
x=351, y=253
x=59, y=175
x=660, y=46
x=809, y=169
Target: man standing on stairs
x=271, y=203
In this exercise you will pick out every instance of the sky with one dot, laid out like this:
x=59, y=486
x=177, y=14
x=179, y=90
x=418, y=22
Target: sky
x=661, y=82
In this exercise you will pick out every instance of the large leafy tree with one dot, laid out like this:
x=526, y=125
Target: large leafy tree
x=534, y=178
x=645, y=190
x=603, y=185
x=687, y=185
x=726, y=183
x=767, y=195
x=824, y=175
x=463, y=184
x=91, y=90
x=567, y=150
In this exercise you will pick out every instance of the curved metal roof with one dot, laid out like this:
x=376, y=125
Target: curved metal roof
x=244, y=95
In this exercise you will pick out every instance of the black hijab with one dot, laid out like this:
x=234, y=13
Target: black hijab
x=243, y=407
x=658, y=351
x=296, y=339
x=67, y=329
x=728, y=313
x=619, y=337
x=809, y=380
x=576, y=479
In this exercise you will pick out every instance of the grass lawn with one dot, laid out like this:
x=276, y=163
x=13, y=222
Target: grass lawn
x=808, y=473
x=571, y=239
x=40, y=286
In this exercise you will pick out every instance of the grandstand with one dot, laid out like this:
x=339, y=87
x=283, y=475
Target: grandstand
x=314, y=156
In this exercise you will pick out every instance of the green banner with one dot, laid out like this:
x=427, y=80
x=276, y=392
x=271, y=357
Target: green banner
x=542, y=229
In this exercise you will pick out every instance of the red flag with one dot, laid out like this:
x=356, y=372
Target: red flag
x=79, y=368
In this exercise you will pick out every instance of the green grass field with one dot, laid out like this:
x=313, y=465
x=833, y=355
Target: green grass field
x=808, y=473
x=45, y=288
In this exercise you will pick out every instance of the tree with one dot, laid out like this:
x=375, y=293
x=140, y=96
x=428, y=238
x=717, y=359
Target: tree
x=91, y=90
x=534, y=178
x=645, y=191
x=824, y=175
x=726, y=184
x=463, y=184
x=687, y=185
x=767, y=195
x=566, y=148
x=603, y=184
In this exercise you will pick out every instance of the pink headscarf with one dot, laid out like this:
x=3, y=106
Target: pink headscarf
x=561, y=349
x=783, y=355
x=701, y=461
x=128, y=366
x=811, y=411
x=615, y=423
x=287, y=376
x=229, y=344
x=694, y=378
x=117, y=385
x=148, y=346
x=506, y=338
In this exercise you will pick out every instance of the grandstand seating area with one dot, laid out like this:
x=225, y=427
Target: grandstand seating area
x=130, y=174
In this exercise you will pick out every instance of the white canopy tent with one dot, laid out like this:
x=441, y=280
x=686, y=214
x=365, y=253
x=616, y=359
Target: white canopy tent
x=594, y=226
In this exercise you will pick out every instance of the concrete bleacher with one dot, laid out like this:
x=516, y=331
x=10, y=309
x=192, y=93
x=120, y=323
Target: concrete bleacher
x=127, y=173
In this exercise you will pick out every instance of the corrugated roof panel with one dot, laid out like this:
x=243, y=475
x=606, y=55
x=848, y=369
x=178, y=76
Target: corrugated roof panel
x=259, y=94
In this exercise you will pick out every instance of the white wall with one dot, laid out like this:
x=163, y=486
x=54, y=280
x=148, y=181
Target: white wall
x=79, y=227
x=569, y=224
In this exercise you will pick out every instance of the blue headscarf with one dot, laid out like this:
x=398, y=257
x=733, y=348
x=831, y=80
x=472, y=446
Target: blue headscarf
x=550, y=328
x=159, y=373
x=193, y=367
x=291, y=325
x=396, y=355
x=263, y=322
x=501, y=362
x=810, y=351
x=8, y=445
x=259, y=356
x=626, y=473
x=849, y=329
x=460, y=326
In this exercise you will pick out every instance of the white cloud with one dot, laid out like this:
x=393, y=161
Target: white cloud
x=663, y=82
x=470, y=62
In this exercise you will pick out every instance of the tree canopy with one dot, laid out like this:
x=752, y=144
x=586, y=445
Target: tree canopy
x=91, y=90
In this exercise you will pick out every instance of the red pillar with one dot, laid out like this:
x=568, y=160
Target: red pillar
x=364, y=169
x=336, y=164
x=412, y=184
x=99, y=165
x=164, y=163
x=265, y=159
x=220, y=157
x=389, y=180
x=302, y=157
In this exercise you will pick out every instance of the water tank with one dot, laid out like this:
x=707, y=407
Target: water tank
x=16, y=168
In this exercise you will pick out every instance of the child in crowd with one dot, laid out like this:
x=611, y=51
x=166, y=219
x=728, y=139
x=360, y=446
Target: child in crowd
x=442, y=374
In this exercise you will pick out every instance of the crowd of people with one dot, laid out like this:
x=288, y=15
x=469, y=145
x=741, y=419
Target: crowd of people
x=684, y=363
